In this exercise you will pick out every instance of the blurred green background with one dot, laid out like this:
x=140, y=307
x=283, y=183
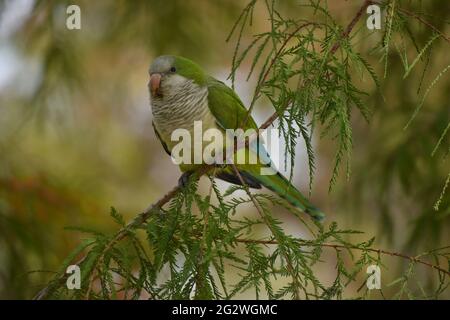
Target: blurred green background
x=76, y=135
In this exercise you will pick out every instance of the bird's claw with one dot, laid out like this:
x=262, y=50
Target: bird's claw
x=184, y=179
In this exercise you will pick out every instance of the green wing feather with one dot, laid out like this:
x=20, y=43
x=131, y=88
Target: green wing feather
x=230, y=113
x=161, y=140
x=226, y=106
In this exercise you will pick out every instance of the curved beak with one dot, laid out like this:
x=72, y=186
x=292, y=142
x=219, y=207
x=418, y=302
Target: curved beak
x=155, y=81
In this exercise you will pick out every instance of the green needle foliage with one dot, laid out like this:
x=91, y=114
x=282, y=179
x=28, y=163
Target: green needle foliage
x=197, y=245
x=195, y=249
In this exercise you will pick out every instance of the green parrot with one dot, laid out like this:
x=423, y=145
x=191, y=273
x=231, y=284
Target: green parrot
x=181, y=93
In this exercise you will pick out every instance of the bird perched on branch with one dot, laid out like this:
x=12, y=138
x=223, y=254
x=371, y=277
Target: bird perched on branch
x=182, y=94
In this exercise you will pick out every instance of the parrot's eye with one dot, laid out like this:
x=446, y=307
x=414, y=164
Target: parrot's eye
x=173, y=69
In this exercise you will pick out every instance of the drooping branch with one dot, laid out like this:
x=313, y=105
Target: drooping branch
x=267, y=72
x=351, y=25
x=424, y=22
x=339, y=246
x=420, y=19
x=289, y=266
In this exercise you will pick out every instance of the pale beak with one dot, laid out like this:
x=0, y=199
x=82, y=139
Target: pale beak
x=155, y=81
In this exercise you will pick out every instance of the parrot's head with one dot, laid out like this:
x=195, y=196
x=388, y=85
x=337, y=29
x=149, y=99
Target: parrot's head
x=170, y=73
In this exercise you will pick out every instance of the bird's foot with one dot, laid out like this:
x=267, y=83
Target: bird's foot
x=184, y=179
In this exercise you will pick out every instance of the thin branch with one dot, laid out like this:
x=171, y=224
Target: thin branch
x=333, y=50
x=274, y=116
x=289, y=266
x=351, y=25
x=425, y=22
x=421, y=20
x=338, y=246
x=266, y=74
x=122, y=233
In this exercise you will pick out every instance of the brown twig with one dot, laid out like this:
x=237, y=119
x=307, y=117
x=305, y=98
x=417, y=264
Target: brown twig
x=266, y=74
x=425, y=22
x=122, y=233
x=274, y=117
x=421, y=20
x=333, y=50
x=338, y=246
x=351, y=25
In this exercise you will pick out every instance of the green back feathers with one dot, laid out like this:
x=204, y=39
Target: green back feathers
x=226, y=106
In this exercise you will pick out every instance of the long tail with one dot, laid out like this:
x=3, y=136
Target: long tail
x=281, y=186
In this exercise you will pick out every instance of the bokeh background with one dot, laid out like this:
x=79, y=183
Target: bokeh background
x=76, y=135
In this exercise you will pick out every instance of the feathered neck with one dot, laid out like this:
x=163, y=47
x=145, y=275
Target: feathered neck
x=182, y=102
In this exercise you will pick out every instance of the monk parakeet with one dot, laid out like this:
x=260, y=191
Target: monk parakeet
x=181, y=93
